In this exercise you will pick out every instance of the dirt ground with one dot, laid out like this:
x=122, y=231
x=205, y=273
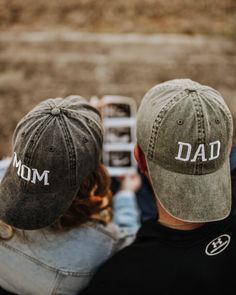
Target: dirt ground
x=56, y=48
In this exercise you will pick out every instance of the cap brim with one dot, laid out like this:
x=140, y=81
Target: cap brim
x=193, y=198
x=25, y=210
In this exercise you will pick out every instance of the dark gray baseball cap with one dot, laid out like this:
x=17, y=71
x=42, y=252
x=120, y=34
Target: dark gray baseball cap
x=55, y=146
x=185, y=131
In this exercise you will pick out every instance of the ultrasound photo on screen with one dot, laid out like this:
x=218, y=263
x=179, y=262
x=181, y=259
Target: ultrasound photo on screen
x=118, y=135
x=119, y=159
x=117, y=110
x=118, y=113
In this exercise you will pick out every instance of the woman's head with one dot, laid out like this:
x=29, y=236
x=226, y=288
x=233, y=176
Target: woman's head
x=91, y=203
x=57, y=147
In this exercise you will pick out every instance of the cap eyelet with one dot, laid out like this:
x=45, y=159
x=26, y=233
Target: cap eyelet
x=180, y=122
x=217, y=121
x=84, y=140
x=88, y=121
x=51, y=149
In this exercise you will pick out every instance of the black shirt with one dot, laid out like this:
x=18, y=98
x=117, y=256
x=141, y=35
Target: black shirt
x=168, y=261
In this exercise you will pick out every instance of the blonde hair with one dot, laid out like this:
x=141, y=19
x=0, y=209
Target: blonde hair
x=6, y=231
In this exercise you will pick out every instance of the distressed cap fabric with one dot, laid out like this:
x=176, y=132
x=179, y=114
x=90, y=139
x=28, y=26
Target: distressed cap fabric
x=55, y=146
x=185, y=131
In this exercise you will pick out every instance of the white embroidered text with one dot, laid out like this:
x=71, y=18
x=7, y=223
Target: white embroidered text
x=185, y=152
x=30, y=174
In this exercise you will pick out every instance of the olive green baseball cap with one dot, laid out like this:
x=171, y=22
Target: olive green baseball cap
x=185, y=132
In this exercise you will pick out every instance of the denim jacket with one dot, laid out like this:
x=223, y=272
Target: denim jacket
x=48, y=262
x=57, y=263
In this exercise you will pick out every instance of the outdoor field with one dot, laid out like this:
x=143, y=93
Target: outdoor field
x=94, y=48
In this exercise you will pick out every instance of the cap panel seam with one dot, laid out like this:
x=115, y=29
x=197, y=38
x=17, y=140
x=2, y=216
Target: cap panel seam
x=34, y=141
x=36, y=114
x=225, y=110
x=52, y=104
x=200, y=128
x=70, y=146
x=159, y=120
x=220, y=105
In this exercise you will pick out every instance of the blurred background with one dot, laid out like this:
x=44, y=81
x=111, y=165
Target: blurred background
x=93, y=48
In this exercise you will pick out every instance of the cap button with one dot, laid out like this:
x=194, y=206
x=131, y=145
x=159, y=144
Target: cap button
x=55, y=111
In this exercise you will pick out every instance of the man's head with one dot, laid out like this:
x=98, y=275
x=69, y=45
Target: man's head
x=184, y=130
x=55, y=146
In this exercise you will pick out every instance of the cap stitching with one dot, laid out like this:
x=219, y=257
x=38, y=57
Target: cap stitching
x=35, y=114
x=33, y=142
x=158, y=122
x=90, y=121
x=225, y=110
x=200, y=128
x=70, y=146
x=29, y=151
x=52, y=104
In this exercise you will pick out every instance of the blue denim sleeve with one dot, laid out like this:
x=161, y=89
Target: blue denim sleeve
x=233, y=158
x=3, y=166
x=126, y=212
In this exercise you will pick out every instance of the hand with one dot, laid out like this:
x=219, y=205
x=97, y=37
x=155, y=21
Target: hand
x=130, y=182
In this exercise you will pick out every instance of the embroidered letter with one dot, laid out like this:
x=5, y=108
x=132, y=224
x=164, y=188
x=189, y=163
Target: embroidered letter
x=28, y=176
x=212, y=144
x=40, y=177
x=27, y=173
x=189, y=148
x=200, y=152
x=17, y=164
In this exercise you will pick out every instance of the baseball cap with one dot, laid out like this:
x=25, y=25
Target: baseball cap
x=185, y=132
x=55, y=146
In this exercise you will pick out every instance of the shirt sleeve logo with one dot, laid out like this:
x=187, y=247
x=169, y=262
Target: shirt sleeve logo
x=218, y=245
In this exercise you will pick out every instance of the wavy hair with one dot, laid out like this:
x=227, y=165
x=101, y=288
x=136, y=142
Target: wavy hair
x=92, y=202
